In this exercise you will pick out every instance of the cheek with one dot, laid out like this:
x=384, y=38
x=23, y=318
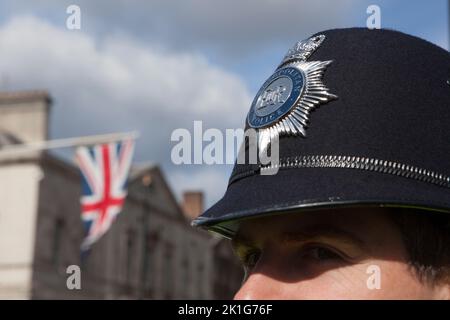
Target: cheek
x=399, y=282
x=370, y=280
x=347, y=282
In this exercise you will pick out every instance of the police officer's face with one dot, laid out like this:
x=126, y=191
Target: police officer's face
x=335, y=254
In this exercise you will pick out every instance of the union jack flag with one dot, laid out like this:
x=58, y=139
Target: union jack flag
x=104, y=171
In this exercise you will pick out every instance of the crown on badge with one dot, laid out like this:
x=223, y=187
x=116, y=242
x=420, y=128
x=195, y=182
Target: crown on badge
x=302, y=49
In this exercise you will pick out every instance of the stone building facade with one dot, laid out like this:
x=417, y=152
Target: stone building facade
x=150, y=252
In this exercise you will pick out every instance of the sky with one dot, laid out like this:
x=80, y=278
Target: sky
x=155, y=66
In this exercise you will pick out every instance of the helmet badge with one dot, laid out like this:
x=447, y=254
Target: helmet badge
x=283, y=104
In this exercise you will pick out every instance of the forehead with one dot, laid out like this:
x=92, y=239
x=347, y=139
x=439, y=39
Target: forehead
x=369, y=224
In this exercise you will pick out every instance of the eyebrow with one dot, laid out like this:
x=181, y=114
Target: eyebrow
x=308, y=234
x=320, y=232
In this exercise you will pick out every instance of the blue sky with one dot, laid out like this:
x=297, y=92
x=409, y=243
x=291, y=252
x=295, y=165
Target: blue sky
x=425, y=19
x=159, y=65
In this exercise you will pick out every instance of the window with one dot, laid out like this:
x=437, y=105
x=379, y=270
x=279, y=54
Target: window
x=151, y=241
x=185, y=284
x=57, y=242
x=168, y=271
x=200, y=280
x=130, y=244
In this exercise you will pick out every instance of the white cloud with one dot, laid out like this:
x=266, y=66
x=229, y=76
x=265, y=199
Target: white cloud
x=117, y=84
x=116, y=70
x=246, y=25
x=227, y=27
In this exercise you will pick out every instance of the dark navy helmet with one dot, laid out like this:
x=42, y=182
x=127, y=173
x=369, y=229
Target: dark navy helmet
x=363, y=119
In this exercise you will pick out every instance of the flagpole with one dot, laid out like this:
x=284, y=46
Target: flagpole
x=17, y=149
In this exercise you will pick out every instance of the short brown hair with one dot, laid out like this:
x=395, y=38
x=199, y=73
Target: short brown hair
x=426, y=236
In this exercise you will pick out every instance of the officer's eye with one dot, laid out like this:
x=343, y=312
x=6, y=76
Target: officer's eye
x=250, y=259
x=321, y=253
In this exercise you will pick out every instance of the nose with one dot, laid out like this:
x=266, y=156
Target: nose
x=259, y=286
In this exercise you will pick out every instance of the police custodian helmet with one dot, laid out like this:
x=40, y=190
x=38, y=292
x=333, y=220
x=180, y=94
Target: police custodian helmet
x=363, y=119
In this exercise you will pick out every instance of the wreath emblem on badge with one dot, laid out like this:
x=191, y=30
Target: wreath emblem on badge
x=283, y=104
